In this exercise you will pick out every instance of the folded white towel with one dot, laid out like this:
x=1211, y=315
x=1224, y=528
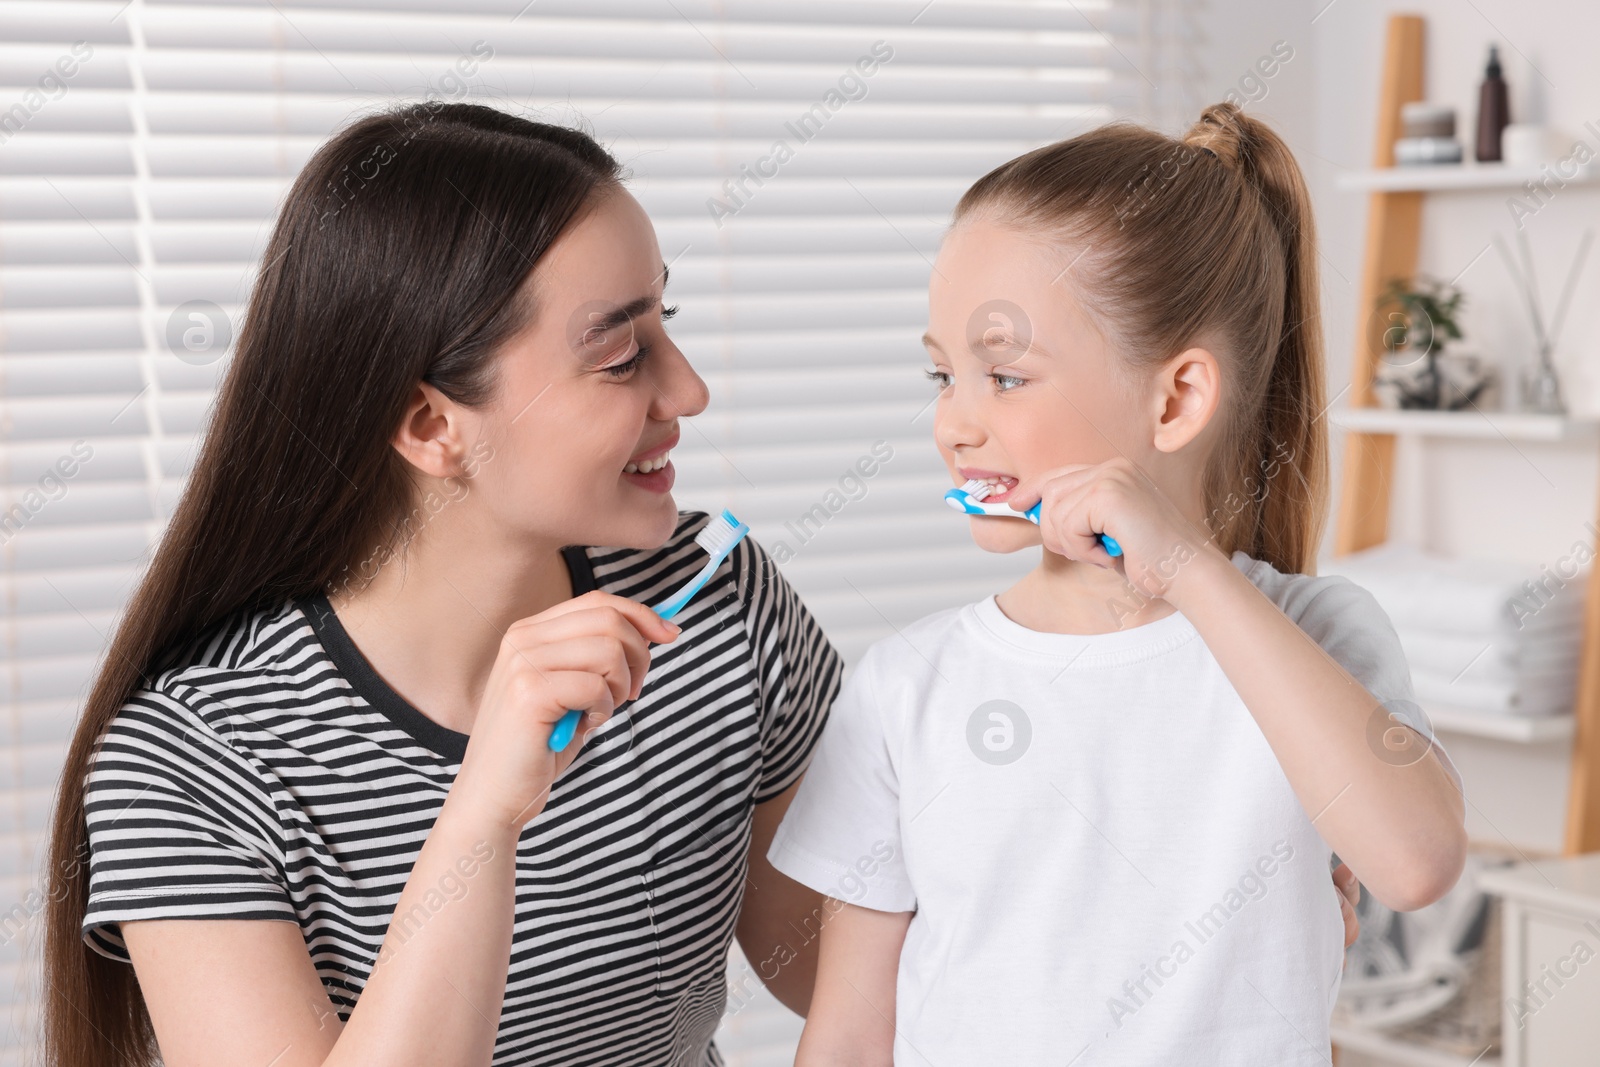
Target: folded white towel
x=1480, y=635
x=1498, y=698
x=1518, y=659
x=1467, y=597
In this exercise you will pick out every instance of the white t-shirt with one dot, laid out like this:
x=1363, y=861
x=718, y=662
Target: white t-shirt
x=1105, y=858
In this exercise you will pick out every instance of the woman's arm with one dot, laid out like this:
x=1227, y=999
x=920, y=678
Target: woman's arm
x=779, y=919
x=244, y=993
x=851, y=1023
x=1399, y=824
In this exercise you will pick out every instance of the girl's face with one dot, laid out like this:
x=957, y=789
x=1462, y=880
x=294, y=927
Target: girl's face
x=591, y=390
x=1026, y=382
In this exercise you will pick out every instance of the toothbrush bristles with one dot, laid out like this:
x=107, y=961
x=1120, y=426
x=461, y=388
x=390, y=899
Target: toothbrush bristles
x=719, y=532
x=977, y=490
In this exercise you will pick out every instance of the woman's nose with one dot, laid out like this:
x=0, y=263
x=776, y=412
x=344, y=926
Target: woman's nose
x=679, y=390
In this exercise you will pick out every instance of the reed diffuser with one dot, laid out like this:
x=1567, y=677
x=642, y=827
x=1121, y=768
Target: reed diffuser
x=1540, y=386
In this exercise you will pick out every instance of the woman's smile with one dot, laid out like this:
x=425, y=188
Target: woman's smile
x=652, y=469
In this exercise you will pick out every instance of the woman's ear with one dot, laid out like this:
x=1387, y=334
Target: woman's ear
x=433, y=433
x=1188, y=390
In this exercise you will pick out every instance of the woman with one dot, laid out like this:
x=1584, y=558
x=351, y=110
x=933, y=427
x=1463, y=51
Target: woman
x=453, y=375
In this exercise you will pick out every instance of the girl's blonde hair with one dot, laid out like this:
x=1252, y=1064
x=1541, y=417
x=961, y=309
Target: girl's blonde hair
x=1204, y=239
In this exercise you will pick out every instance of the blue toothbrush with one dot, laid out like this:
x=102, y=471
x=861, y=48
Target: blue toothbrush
x=969, y=501
x=718, y=538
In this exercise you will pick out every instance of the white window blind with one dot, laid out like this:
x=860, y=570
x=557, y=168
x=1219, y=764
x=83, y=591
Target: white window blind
x=146, y=147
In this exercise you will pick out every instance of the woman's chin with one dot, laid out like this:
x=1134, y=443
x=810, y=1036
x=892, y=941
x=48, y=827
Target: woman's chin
x=645, y=526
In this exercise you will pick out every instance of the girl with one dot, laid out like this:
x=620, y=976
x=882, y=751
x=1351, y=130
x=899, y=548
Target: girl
x=1089, y=820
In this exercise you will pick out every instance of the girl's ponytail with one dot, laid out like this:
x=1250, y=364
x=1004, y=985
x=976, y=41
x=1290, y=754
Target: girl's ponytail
x=1291, y=450
x=1204, y=240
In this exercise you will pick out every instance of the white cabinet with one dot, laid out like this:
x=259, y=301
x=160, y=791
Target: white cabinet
x=1551, y=996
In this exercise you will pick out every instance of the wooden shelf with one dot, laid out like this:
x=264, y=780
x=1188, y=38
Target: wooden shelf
x=1512, y=425
x=1395, y=198
x=1448, y=177
x=1403, y=1053
x=1524, y=729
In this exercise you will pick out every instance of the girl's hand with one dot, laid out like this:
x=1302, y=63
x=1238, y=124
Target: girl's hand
x=588, y=653
x=1081, y=501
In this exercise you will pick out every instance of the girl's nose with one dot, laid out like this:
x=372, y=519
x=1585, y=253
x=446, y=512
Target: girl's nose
x=955, y=426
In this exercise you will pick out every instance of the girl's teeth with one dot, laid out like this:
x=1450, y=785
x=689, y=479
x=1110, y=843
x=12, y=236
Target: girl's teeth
x=648, y=465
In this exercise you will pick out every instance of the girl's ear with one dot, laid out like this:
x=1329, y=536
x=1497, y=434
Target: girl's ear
x=1188, y=390
x=432, y=435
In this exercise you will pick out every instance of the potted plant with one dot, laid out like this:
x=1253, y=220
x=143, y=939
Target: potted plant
x=1420, y=318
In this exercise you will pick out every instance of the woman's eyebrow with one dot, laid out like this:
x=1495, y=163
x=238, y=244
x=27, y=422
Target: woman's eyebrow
x=619, y=315
x=631, y=310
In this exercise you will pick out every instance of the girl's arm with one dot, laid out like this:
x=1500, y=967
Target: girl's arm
x=1398, y=823
x=852, y=1008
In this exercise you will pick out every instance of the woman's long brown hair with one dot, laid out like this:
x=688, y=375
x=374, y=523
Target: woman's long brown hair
x=399, y=257
x=1205, y=239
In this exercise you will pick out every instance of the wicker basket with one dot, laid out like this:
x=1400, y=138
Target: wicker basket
x=1469, y=1024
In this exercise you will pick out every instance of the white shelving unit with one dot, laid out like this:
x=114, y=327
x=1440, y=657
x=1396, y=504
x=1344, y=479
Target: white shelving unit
x=1396, y=197
x=1508, y=425
x=1445, y=177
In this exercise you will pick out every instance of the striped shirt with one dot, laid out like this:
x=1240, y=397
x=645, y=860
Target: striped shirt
x=274, y=775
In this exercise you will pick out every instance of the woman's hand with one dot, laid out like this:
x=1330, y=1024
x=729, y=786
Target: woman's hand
x=589, y=653
x=1344, y=880
x=1114, y=498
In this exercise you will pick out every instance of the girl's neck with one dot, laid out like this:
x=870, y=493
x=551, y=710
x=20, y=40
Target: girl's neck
x=431, y=621
x=1064, y=596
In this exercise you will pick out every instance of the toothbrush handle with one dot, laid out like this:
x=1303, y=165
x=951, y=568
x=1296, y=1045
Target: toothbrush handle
x=1108, y=543
x=561, y=735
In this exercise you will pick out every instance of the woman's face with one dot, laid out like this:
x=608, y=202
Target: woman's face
x=591, y=390
x=1026, y=382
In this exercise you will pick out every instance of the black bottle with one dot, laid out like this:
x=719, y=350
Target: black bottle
x=1494, y=111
